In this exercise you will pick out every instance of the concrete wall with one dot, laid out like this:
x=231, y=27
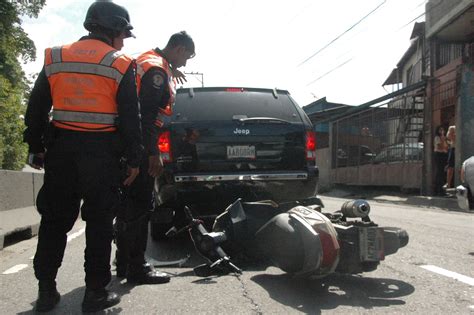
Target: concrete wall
x=441, y=12
x=18, y=192
x=403, y=175
x=18, y=189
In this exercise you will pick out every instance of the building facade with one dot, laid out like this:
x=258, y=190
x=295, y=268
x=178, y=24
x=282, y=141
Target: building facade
x=389, y=141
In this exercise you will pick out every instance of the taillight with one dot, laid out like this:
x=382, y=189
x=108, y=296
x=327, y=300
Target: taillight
x=310, y=145
x=234, y=90
x=164, y=146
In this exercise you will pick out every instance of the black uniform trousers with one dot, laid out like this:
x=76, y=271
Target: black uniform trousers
x=132, y=221
x=440, y=161
x=78, y=166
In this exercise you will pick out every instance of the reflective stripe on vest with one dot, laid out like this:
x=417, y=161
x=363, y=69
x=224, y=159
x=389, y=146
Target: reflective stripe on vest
x=84, y=79
x=84, y=117
x=109, y=58
x=56, y=54
x=85, y=68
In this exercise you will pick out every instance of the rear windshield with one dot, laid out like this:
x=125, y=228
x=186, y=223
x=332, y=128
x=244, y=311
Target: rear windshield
x=224, y=105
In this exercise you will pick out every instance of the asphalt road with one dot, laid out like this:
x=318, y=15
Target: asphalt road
x=434, y=274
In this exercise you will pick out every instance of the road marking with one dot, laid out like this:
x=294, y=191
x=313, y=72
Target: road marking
x=70, y=237
x=15, y=269
x=450, y=274
x=76, y=234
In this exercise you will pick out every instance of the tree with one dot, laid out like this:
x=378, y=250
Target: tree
x=15, y=47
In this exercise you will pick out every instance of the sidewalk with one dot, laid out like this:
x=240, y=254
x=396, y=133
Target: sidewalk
x=396, y=197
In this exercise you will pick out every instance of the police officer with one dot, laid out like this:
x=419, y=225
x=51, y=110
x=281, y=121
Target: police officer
x=156, y=92
x=91, y=89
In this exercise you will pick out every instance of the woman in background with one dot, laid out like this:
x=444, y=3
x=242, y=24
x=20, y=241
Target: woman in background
x=440, y=158
x=451, y=139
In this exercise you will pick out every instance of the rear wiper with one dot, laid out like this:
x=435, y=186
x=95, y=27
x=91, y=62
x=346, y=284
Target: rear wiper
x=263, y=119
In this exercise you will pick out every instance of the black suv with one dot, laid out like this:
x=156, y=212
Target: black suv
x=221, y=144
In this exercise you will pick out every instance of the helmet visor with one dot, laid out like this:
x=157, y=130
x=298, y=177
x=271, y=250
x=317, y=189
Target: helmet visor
x=128, y=33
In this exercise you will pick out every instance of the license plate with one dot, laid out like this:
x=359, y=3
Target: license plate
x=241, y=152
x=371, y=244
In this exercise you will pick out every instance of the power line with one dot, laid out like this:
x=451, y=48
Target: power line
x=333, y=69
x=339, y=36
x=421, y=4
x=300, y=12
x=339, y=66
x=419, y=16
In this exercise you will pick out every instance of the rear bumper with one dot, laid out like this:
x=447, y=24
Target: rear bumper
x=241, y=177
x=214, y=191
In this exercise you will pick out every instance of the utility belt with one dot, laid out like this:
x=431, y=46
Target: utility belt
x=79, y=140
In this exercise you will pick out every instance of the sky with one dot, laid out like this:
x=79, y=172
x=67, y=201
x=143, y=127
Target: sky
x=265, y=43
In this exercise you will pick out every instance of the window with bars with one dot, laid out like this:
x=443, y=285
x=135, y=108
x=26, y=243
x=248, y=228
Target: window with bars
x=448, y=52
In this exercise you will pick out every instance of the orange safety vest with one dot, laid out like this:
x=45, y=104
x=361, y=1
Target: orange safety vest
x=149, y=60
x=84, y=78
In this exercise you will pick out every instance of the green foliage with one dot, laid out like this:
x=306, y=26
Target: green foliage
x=15, y=46
x=13, y=150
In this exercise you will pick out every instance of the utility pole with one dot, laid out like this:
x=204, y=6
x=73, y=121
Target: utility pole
x=198, y=74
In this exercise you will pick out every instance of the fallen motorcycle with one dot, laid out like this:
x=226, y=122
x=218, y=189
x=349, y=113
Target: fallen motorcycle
x=297, y=237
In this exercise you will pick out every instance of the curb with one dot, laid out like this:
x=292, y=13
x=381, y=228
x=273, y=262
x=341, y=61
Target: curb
x=20, y=223
x=23, y=233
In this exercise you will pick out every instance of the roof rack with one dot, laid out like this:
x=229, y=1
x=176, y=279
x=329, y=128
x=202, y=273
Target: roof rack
x=275, y=93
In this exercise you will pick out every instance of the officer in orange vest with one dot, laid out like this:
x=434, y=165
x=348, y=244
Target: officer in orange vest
x=156, y=75
x=90, y=87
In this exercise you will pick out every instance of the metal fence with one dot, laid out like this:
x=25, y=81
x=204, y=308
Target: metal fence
x=388, y=133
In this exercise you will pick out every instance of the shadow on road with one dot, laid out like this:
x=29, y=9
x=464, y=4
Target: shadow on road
x=70, y=303
x=394, y=196
x=314, y=296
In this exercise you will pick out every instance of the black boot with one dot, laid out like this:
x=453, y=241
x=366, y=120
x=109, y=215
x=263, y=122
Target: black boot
x=100, y=299
x=47, y=300
x=145, y=274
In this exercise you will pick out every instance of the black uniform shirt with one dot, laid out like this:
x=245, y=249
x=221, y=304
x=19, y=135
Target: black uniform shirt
x=154, y=94
x=40, y=103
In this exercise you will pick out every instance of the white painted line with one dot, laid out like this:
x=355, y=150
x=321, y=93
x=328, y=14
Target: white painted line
x=450, y=274
x=69, y=237
x=76, y=234
x=19, y=267
x=15, y=269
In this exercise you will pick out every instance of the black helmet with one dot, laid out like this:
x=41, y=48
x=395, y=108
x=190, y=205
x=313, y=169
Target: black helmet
x=108, y=15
